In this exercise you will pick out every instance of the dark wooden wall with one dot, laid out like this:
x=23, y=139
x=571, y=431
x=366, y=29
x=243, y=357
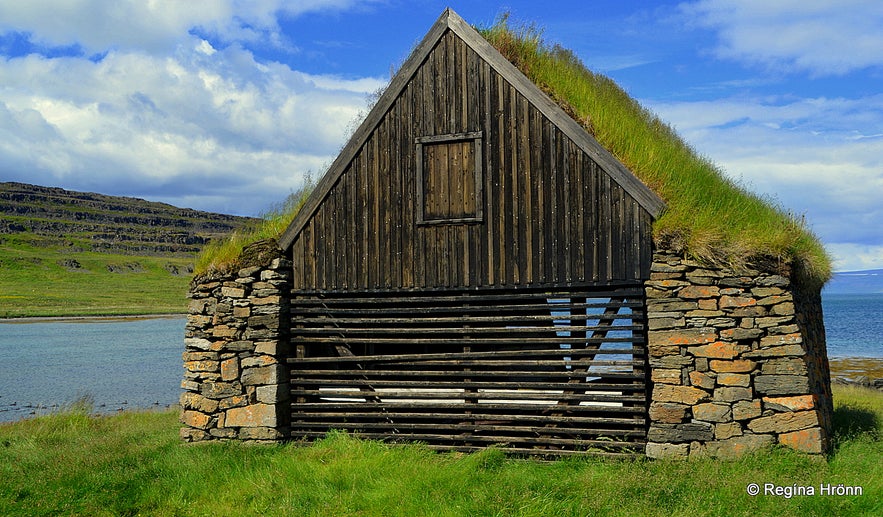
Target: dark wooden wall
x=550, y=215
x=536, y=371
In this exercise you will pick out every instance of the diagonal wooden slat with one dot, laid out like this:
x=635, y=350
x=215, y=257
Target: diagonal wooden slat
x=560, y=371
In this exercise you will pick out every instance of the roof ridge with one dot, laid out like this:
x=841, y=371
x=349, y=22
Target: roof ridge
x=450, y=20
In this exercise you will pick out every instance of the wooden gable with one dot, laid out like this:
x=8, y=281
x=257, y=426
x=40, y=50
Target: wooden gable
x=466, y=175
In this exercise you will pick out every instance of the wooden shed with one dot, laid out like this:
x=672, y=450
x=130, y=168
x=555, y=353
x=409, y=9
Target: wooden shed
x=470, y=269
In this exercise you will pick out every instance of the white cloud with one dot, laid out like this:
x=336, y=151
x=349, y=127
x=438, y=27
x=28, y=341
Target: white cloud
x=856, y=257
x=153, y=26
x=819, y=157
x=818, y=36
x=165, y=113
x=99, y=25
x=141, y=122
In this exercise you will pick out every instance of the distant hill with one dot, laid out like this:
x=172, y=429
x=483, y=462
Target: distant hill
x=65, y=253
x=49, y=216
x=856, y=282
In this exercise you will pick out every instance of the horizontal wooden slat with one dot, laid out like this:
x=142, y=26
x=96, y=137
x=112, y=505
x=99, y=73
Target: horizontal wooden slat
x=442, y=418
x=332, y=325
x=472, y=384
x=530, y=302
x=503, y=430
x=547, y=396
x=500, y=296
x=343, y=302
x=458, y=374
x=500, y=316
x=502, y=440
x=560, y=363
x=460, y=369
x=434, y=405
x=459, y=342
x=513, y=355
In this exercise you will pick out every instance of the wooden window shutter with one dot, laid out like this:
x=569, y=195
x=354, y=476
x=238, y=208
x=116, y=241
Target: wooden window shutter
x=449, y=171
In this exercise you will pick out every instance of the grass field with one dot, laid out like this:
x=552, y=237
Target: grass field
x=134, y=464
x=44, y=281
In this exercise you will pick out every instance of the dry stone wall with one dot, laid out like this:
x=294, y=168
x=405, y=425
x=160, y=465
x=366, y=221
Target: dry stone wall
x=236, y=341
x=738, y=362
x=737, y=359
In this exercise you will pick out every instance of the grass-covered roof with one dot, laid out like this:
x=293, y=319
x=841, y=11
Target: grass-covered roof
x=709, y=217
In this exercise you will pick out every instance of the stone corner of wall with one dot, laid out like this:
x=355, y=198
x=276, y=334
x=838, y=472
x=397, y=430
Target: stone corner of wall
x=235, y=344
x=737, y=362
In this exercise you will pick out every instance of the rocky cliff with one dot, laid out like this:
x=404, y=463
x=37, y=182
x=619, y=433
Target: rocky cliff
x=84, y=221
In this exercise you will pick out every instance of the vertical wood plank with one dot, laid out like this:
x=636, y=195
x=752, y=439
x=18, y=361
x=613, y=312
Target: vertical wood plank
x=567, y=209
x=318, y=230
x=577, y=232
x=360, y=167
x=312, y=256
x=646, y=244
x=376, y=209
x=525, y=202
x=297, y=263
x=501, y=257
x=440, y=82
x=352, y=238
x=331, y=262
x=405, y=147
x=592, y=227
x=466, y=80
x=442, y=180
x=383, y=154
x=555, y=233
x=467, y=179
x=621, y=232
x=491, y=168
x=407, y=172
x=454, y=108
x=604, y=232
x=419, y=109
x=341, y=233
x=395, y=198
x=634, y=242
x=515, y=221
x=537, y=159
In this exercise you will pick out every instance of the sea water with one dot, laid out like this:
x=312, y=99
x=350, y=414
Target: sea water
x=115, y=363
x=853, y=324
x=136, y=363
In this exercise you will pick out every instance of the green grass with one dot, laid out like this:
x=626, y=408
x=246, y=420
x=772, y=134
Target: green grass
x=134, y=464
x=222, y=254
x=33, y=282
x=709, y=216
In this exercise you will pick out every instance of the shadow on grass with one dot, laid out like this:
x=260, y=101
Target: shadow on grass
x=851, y=422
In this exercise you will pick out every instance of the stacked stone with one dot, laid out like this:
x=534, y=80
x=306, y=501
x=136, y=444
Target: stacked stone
x=737, y=362
x=236, y=341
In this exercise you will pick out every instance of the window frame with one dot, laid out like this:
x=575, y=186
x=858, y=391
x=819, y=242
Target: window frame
x=478, y=173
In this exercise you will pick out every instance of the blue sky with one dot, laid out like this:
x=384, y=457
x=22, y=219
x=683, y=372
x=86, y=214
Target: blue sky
x=225, y=105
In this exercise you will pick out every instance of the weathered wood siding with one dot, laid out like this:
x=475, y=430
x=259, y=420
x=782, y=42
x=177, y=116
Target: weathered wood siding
x=550, y=215
x=537, y=371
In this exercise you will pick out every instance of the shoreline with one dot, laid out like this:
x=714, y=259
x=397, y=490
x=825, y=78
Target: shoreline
x=93, y=318
x=856, y=369
x=851, y=369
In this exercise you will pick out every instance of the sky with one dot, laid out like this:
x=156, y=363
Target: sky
x=227, y=105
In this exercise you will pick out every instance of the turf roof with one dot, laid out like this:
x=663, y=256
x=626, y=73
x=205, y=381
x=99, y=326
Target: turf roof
x=709, y=217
